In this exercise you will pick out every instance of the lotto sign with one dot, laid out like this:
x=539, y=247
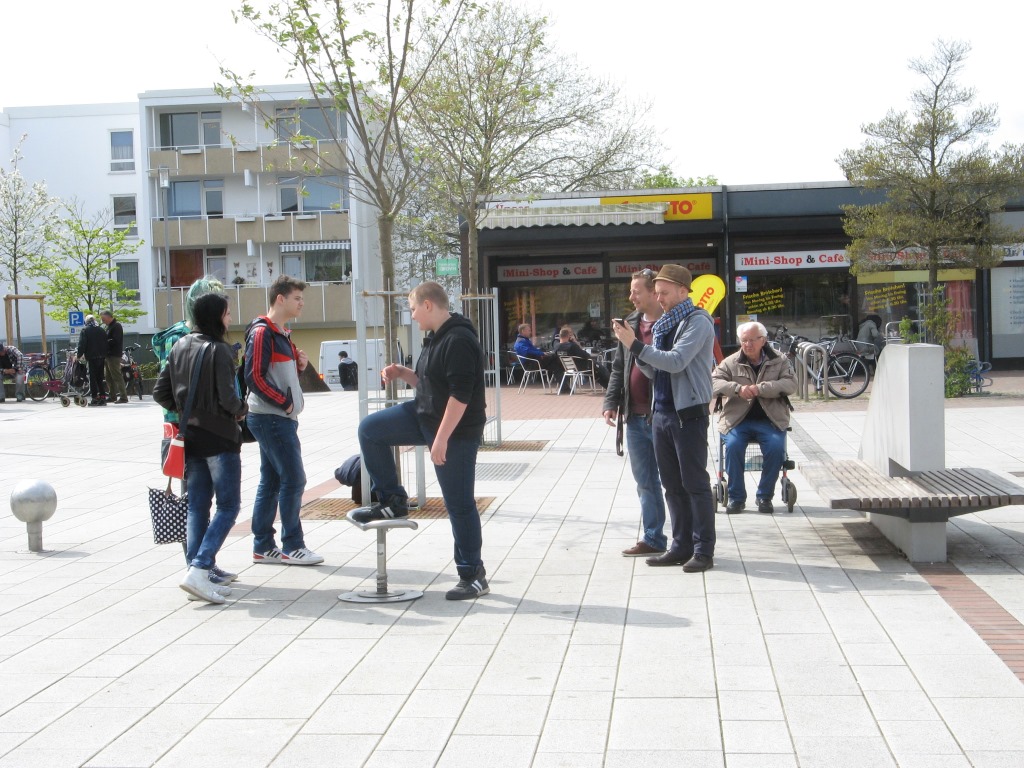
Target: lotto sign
x=680, y=207
x=752, y=262
x=707, y=292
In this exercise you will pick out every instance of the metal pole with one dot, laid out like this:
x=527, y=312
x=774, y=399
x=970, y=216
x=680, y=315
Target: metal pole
x=167, y=255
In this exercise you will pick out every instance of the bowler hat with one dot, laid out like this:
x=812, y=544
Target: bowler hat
x=675, y=273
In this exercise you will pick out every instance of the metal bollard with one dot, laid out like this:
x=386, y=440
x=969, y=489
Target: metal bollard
x=32, y=502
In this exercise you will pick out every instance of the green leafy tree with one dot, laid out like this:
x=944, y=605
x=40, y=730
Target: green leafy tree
x=365, y=74
x=499, y=111
x=80, y=272
x=25, y=211
x=943, y=184
x=663, y=177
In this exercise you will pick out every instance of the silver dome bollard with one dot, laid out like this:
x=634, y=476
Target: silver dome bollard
x=32, y=502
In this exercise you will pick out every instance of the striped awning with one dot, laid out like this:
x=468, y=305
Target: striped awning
x=318, y=245
x=575, y=215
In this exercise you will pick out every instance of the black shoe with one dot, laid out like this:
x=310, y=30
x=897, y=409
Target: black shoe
x=669, y=558
x=735, y=507
x=467, y=589
x=764, y=506
x=394, y=510
x=699, y=563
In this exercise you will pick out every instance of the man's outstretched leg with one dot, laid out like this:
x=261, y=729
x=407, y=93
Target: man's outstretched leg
x=379, y=434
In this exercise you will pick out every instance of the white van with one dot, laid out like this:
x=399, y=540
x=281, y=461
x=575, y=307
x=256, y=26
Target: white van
x=370, y=360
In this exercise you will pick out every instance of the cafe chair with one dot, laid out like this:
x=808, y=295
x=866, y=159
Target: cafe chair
x=577, y=371
x=532, y=369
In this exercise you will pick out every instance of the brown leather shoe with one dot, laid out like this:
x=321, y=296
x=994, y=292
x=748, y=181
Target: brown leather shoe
x=669, y=558
x=641, y=549
x=699, y=563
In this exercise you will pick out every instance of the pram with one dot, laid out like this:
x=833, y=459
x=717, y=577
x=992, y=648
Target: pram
x=752, y=462
x=76, y=383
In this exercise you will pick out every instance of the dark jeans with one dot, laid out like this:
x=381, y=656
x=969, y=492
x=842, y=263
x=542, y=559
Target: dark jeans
x=219, y=476
x=682, y=453
x=96, y=384
x=282, y=481
x=380, y=432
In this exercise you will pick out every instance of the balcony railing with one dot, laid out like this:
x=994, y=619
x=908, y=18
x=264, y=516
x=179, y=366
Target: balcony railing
x=306, y=157
x=325, y=304
x=239, y=227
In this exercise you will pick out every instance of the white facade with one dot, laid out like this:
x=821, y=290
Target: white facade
x=243, y=204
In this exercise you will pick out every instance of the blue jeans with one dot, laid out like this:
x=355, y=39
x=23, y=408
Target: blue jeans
x=773, y=448
x=380, y=432
x=219, y=475
x=640, y=445
x=682, y=452
x=282, y=481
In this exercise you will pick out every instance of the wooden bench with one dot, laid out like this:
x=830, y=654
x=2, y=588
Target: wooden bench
x=911, y=511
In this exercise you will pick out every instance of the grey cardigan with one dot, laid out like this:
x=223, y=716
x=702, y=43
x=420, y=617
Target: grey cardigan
x=689, y=362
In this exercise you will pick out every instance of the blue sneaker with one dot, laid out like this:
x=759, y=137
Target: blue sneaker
x=221, y=577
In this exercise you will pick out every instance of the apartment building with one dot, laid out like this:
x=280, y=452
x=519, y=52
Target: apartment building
x=246, y=192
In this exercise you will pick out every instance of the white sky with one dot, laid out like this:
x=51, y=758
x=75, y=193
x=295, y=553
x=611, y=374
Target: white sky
x=752, y=92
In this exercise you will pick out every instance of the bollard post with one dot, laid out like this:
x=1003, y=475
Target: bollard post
x=33, y=502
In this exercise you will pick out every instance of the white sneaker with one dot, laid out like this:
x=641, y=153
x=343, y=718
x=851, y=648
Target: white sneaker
x=197, y=582
x=222, y=591
x=301, y=556
x=274, y=556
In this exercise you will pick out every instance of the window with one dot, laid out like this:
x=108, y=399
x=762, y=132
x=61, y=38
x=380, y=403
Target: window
x=198, y=198
x=311, y=123
x=124, y=214
x=190, y=129
x=318, y=193
x=128, y=276
x=217, y=263
x=327, y=266
x=122, y=151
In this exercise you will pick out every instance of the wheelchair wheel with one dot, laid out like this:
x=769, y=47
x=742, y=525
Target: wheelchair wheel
x=65, y=401
x=721, y=494
x=789, y=494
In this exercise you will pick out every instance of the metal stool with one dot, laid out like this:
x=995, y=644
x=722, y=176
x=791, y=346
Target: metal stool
x=382, y=595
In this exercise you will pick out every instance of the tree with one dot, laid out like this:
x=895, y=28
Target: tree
x=364, y=74
x=500, y=112
x=663, y=177
x=80, y=274
x=25, y=211
x=943, y=185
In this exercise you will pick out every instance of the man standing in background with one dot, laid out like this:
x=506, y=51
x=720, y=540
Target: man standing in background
x=115, y=347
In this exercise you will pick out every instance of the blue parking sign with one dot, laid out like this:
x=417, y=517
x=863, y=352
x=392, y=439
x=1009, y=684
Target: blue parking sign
x=76, y=319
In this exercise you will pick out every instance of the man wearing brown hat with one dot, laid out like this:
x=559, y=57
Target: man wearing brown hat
x=679, y=362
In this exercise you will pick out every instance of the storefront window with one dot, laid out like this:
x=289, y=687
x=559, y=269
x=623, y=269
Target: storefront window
x=811, y=304
x=548, y=307
x=1008, y=311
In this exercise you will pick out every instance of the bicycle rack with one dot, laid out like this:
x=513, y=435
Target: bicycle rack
x=810, y=354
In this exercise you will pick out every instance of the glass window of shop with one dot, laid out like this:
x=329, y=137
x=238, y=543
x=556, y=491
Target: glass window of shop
x=809, y=303
x=548, y=307
x=898, y=294
x=1008, y=310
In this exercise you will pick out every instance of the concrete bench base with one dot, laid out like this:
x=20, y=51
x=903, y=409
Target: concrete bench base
x=911, y=511
x=382, y=594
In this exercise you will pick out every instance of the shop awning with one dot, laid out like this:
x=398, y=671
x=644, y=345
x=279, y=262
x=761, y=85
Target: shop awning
x=318, y=245
x=576, y=215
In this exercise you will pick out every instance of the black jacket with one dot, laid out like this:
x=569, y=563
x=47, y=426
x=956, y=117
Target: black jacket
x=216, y=403
x=92, y=343
x=115, y=339
x=452, y=365
x=617, y=393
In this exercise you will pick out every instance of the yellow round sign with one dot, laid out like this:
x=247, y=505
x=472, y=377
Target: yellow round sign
x=707, y=291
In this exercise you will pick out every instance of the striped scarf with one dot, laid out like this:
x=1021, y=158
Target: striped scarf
x=667, y=323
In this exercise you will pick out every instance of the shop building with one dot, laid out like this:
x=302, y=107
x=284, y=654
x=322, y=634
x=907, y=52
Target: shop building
x=779, y=249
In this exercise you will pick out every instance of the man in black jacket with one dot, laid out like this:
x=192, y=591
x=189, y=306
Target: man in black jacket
x=567, y=345
x=92, y=345
x=448, y=415
x=115, y=347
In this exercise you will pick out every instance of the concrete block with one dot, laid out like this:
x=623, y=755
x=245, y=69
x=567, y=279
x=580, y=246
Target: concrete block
x=904, y=430
x=920, y=542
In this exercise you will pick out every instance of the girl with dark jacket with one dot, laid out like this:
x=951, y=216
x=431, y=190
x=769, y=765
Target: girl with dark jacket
x=213, y=438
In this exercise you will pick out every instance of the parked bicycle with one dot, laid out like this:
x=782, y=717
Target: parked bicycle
x=846, y=374
x=41, y=378
x=130, y=370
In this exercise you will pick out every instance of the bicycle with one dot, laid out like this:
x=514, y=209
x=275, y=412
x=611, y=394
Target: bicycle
x=130, y=370
x=41, y=379
x=846, y=374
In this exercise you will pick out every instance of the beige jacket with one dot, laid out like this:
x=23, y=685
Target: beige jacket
x=775, y=380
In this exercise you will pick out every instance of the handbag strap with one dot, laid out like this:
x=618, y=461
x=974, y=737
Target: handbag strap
x=192, y=387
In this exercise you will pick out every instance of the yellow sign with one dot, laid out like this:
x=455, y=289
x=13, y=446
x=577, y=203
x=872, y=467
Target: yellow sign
x=707, y=292
x=679, y=206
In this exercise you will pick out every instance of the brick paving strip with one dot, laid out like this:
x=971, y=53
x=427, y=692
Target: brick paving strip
x=993, y=623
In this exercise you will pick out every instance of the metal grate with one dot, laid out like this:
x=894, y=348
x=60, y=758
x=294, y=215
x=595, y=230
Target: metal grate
x=517, y=445
x=500, y=471
x=336, y=509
